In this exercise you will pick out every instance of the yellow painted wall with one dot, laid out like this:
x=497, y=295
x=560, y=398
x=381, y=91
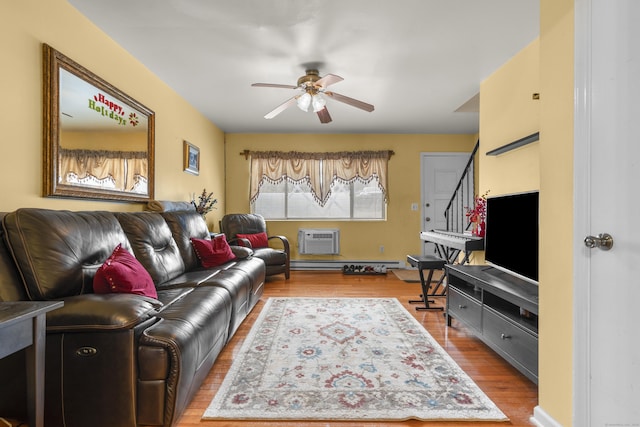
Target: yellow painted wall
x=508, y=113
x=24, y=26
x=112, y=141
x=359, y=240
x=556, y=209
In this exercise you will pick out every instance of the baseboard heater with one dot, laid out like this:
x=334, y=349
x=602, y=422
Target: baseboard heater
x=330, y=265
x=320, y=241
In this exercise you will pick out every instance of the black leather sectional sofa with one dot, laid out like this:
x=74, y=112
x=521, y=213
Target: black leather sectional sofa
x=122, y=359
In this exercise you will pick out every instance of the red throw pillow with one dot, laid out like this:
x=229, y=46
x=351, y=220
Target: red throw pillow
x=123, y=273
x=213, y=252
x=257, y=240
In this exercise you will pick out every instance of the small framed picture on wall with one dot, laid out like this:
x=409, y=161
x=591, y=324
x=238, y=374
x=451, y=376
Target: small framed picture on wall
x=191, y=158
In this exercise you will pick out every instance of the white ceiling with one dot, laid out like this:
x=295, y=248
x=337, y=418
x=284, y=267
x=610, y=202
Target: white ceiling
x=416, y=61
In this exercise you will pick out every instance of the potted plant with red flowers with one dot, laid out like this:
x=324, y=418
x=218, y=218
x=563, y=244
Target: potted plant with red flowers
x=478, y=214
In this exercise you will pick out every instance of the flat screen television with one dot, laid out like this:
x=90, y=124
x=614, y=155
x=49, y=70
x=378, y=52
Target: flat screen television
x=511, y=236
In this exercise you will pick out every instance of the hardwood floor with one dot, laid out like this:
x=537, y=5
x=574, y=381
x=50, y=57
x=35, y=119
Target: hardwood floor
x=512, y=392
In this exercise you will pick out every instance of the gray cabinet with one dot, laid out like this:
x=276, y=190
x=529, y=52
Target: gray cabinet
x=468, y=309
x=500, y=309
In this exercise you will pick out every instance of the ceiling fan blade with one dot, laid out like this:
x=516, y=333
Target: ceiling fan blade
x=353, y=102
x=280, y=108
x=328, y=80
x=324, y=116
x=274, y=85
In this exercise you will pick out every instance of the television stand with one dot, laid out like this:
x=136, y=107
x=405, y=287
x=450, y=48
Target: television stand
x=500, y=309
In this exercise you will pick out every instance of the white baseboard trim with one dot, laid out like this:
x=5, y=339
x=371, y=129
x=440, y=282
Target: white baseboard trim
x=329, y=265
x=541, y=419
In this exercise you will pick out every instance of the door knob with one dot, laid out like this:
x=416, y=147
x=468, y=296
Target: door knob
x=428, y=219
x=604, y=241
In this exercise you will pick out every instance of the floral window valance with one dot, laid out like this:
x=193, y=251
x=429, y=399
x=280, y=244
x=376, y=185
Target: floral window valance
x=121, y=170
x=318, y=170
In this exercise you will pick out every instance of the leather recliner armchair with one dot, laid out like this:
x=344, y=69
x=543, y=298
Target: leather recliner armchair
x=277, y=260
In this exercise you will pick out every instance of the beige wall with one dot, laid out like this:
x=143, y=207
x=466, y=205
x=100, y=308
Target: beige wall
x=25, y=25
x=556, y=214
x=113, y=141
x=360, y=240
x=508, y=113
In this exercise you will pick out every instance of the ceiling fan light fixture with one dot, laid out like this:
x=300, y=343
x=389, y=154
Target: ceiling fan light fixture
x=304, y=101
x=309, y=101
x=318, y=102
x=314, y=95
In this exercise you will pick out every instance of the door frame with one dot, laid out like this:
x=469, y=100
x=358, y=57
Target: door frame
x=423, y=200
x=582, y=143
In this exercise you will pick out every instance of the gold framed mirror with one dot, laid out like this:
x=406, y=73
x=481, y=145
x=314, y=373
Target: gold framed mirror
x=99, y=142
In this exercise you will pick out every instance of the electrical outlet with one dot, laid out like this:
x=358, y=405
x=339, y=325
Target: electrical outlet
x=381, y=249
x=414, y=206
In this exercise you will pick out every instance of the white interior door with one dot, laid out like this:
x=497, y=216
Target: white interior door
x=440, y=175
x=607, y=165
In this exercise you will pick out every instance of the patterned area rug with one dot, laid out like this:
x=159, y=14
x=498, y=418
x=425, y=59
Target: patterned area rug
x=345, y=359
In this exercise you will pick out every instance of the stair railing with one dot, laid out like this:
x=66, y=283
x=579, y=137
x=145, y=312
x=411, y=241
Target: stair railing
x=462, y=198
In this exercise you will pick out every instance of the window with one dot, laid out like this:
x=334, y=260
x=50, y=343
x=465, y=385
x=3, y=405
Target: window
x=339, y=186
x=286, y=200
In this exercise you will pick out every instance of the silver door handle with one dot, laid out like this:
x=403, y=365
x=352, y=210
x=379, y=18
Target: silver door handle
x=604, y=241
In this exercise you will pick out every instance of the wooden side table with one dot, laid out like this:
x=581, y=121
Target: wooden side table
x=23, y=325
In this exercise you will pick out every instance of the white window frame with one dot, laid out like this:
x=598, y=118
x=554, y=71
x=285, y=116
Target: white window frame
x=352, y=194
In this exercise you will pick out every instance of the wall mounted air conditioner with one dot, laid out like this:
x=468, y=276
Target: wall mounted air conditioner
x=320, y=241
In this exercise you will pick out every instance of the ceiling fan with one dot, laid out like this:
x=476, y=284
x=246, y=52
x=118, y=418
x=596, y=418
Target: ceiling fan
x=312, y=98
